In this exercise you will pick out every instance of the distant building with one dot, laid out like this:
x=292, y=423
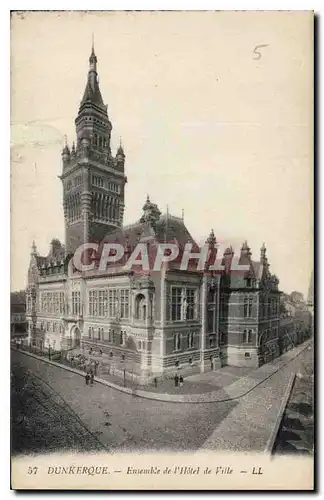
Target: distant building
x=295, y=321
x=18, y=322
x=297, y=297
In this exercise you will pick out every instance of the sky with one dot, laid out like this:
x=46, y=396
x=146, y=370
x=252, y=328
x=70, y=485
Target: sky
x=210, y=124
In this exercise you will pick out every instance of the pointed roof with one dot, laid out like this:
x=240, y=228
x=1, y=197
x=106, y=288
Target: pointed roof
x=120, y=150
x=92, y=92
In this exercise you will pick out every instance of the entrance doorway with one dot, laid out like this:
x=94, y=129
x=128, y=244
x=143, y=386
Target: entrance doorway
x=76, y=337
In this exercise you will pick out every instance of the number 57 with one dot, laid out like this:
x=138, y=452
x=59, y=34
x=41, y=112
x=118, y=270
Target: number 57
x=32, y=470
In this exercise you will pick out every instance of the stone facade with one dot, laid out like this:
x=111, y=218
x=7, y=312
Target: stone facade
x=150, y=324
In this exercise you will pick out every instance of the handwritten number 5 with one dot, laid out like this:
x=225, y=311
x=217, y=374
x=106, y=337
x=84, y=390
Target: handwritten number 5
x=257, y=52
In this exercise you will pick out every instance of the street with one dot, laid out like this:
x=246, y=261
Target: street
x=118, y=420
x=61, y=412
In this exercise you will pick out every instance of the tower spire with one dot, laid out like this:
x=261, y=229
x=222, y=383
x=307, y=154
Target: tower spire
x=92, y=91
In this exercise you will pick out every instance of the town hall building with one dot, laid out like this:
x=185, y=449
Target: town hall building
x=149, y=324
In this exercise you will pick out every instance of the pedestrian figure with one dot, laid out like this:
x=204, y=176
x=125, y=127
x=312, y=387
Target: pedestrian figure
x=176, y=380
x=181, y=380
x=96, y=367
x=87, y=378
x=100, y=352
x=91, y=377
x=155, y=382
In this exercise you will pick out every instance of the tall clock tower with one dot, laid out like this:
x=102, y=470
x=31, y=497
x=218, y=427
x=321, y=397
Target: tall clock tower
x=93, y=180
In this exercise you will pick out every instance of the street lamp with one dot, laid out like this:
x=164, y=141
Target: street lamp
x=124, y=369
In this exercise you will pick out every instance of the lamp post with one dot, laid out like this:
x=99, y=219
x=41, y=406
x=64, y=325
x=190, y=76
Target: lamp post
x=124, y=369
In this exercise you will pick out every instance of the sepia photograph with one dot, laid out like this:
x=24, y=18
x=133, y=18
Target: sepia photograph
x=162, y=254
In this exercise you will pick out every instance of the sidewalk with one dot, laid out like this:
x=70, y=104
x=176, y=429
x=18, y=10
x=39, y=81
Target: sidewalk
x=252, y=422
x=235, y=390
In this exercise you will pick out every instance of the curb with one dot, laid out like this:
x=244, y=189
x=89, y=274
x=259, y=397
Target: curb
x=273, y=436
x=165, y=398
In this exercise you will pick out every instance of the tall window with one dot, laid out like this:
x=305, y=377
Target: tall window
x=190, y=303
x=91, y=301
x=176, y=342
x=101, y=303
x=61, y=303
x=210, y=319
x=124, y=303
x=55, y=303
x=247, y=336
x=176, y=303
x=248, y=301
x=190, y=338
x=50, y=302
x=112, y=303
x=76, y=303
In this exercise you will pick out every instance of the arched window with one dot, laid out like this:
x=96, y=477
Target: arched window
x=140, y=307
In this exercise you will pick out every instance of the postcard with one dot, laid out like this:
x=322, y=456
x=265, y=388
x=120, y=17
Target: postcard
x=162, y=283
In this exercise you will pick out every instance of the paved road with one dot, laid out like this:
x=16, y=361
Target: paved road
x=119, y=421
x=41, y=420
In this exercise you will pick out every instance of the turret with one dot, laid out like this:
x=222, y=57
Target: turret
x=151, y=212
x=120, y=156
x=66, y=154
x=33, y=249
x=211, y=240
x=245, y=250
x=263, y=257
